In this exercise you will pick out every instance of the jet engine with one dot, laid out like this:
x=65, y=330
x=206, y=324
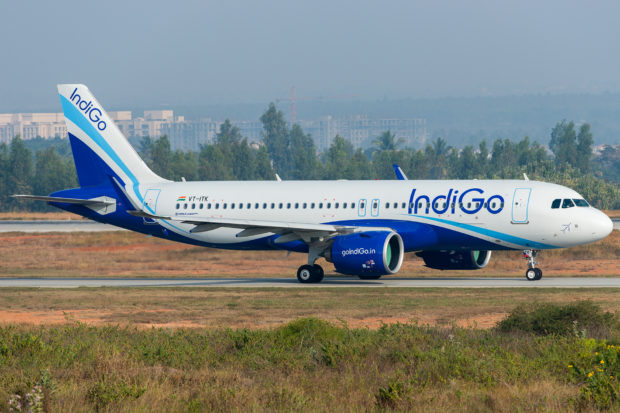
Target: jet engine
x=455, y=260
x=371, y=253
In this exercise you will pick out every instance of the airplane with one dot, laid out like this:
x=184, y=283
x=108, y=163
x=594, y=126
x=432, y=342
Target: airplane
x=363, y=227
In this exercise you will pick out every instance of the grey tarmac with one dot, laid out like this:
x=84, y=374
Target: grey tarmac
x=328, y=282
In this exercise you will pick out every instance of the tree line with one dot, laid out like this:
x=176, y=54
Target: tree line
x=291, y=154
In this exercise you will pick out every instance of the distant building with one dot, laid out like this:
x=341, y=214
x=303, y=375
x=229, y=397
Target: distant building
x=31, y=125
x=189, y=135
x=362, y=130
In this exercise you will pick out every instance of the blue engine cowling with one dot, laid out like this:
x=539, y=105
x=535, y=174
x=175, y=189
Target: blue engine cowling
x=455, y=260
x=367, y=253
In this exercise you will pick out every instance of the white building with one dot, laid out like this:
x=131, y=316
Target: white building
x=31, y=125
x=192, y=134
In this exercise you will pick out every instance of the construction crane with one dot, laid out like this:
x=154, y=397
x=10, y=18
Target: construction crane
x=293, y=100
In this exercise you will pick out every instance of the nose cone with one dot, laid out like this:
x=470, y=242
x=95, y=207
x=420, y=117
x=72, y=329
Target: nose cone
x=602, y=225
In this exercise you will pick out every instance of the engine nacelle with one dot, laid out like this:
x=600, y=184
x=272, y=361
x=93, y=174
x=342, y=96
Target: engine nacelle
x=455, y=260
x=367, y=253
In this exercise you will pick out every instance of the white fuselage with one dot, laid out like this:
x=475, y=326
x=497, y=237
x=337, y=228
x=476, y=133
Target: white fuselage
x=513, y=214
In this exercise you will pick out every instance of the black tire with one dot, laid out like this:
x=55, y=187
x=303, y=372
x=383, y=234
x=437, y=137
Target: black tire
x=369, y=277
x=309, y=274
x=320, y=272
x=531, y=274
x=539, y=273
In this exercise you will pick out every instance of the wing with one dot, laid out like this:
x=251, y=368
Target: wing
x=289, y=231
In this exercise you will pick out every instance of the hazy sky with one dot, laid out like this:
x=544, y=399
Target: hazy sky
x=152, y=53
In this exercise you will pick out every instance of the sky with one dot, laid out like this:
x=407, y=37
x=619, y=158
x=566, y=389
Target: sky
x=156, y=53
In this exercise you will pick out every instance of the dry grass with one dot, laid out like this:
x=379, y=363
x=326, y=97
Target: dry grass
x=120, y=254
x=262, y=308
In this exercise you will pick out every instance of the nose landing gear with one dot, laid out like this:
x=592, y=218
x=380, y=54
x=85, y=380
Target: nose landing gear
x=532, y=273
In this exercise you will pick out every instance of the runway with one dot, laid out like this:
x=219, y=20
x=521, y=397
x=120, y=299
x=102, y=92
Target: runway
x=56, y=226
x=328, y=282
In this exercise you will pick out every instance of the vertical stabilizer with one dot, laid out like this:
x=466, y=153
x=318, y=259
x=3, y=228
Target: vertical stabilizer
x=100, y=150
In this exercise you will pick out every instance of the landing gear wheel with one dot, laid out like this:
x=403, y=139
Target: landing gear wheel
x=369, y=277
x=310, y=274
x=538, y=274
x=533, y=274
x=320, y=271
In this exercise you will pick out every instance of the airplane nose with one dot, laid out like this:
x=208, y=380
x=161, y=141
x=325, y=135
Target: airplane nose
x=603, y=225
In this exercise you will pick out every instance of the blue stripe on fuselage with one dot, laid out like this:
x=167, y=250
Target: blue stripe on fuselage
x=490, y=233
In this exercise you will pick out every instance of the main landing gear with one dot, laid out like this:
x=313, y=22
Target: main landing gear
x=310, y=273
x=532, y=273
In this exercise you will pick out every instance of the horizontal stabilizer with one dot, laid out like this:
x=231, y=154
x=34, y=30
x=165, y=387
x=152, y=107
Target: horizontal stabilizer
x=102, y=205
x=86, y=202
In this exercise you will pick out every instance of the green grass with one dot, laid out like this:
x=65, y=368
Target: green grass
x=308, y=365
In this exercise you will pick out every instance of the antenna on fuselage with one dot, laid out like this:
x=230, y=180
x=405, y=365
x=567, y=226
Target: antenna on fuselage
x=525, y=177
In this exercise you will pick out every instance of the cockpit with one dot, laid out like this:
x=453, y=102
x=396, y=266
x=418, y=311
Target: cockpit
x=569, y=203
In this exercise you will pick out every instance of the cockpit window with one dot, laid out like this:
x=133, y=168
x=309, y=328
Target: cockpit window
x=581, y=202
x=556, y=203
x=567, y=203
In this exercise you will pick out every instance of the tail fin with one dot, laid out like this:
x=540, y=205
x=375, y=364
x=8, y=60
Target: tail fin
x=100, y=150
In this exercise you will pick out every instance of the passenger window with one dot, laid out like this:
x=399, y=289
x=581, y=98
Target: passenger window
x=280, y=205
x=296, y=205
x=201, y=205
x=337, y=205
x=352, y=205
x=273, y=205
x=288, y=206
x=178, y=206
x=217, y=206
x=320, y=205
x=344, y=205
x=225, y=205
x=240, y=205
x=556, y=203
x=403, y=206
x=193, y=206
x=581, y=202
x=256, y=205
x=208, y=206
x=232, y=206
x=305, y=205
x=312, y=205
x=184, y=206
x=329, y=205
x=567, y=203
x=395, y=205
x=249, y=205
x=387, y=205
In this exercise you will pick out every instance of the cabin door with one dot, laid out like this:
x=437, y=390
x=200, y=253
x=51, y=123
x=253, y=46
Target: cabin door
x=150, y=204
x=520, y=204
